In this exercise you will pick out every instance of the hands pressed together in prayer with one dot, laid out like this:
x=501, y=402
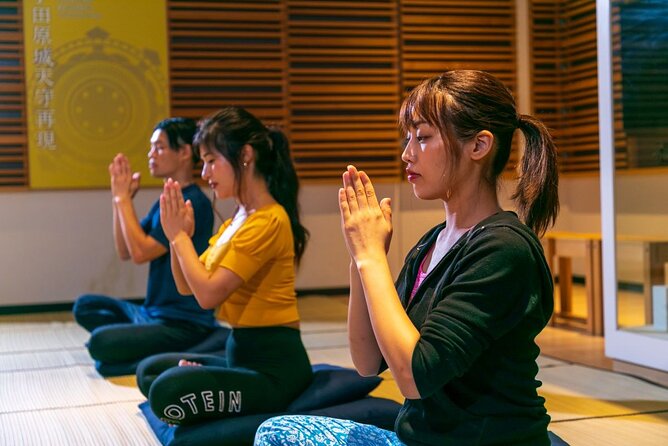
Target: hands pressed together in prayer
x=366, y=223
x=124, y=183
x=176, y=215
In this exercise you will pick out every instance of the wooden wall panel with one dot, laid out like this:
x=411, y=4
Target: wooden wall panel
x=441, y=35
x=546, y=33
x=577, y=137
x=623, y=158
x=565, y=83
x=13, y=135
x=332, y=72
x=343, y=87
x=227, y=53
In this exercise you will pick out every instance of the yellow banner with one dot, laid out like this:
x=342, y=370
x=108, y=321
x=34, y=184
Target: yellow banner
x=97, y=83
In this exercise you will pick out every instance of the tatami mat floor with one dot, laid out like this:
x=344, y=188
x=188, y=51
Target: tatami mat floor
x=51, y=395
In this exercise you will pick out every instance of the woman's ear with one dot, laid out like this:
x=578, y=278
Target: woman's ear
x=484, y=142
x=247, y=154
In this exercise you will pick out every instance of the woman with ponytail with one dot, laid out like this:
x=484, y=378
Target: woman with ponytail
x=248, y=271
x=457, y=328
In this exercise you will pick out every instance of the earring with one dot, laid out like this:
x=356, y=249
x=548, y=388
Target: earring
x=245, y=164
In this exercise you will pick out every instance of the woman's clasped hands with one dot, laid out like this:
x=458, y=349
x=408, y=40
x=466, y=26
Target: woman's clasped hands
x=365, y=222
x=176, y=215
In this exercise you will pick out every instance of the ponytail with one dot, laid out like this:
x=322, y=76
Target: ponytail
x=461, y=103
x=228, y=131
x=283, y=183
x=537, y=194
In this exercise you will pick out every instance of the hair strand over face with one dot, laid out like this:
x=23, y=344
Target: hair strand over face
x=462, y=103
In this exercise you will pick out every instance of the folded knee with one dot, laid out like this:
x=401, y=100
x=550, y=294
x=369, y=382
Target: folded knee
x=80, y=306
x=102, y=346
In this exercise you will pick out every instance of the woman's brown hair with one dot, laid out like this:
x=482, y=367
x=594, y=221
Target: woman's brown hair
x=461, y=103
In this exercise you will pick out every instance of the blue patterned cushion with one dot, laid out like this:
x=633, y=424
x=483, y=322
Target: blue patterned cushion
x=240, y=431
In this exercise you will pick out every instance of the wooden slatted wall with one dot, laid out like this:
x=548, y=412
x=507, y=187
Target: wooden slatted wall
x=332, y=72
x=13, y=139
x=623, y=159
x=565, y=93
x=545, y=57
x=440, y=35
x=227, y=53
x=343, y=87
x=578, y=135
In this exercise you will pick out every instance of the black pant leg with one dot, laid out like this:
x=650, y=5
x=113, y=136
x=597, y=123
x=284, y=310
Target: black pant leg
x=131, y=342
x=92, y=311
x=150, y=368
x=192, y=394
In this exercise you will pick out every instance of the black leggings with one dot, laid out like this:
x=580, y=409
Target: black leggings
x=263, y=370
x=121, y=332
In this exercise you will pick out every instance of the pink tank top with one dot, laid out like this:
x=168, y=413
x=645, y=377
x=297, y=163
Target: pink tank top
x=418, y=280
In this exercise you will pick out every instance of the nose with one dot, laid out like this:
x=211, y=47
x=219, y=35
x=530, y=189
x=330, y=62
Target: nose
x=407, y=154
x=205, y=172
x=151, y=152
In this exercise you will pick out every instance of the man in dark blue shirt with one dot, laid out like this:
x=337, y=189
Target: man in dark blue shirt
x=123, y=332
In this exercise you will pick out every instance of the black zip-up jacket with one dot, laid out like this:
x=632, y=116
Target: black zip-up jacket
x=478, y=312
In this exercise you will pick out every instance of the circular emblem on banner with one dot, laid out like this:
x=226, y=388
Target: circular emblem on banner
x=107, y=97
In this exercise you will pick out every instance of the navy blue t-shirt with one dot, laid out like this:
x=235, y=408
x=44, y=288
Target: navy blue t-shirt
x=162, y=298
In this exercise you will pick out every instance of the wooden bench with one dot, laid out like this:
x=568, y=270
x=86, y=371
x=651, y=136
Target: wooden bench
x=593, y=322
x=655, y=256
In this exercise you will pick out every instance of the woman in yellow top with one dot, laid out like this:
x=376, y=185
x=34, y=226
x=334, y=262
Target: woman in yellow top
x=248, y=270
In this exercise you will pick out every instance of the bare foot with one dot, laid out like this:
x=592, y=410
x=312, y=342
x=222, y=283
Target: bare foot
x=186, y=363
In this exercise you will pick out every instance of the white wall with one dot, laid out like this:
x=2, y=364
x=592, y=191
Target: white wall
x=325, y=263
x=57, y=245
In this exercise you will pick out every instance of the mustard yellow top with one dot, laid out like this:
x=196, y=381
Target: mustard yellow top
x=261, y=252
